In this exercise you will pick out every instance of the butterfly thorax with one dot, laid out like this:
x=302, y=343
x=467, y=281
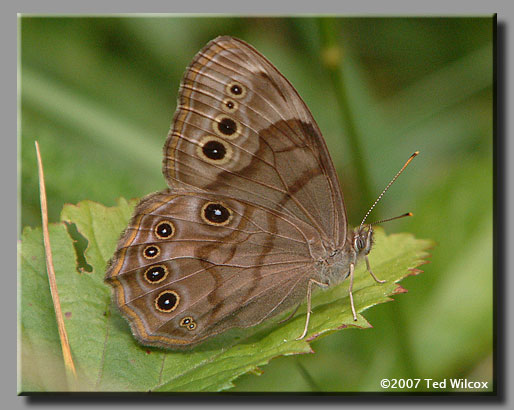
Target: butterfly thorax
x=334, y=266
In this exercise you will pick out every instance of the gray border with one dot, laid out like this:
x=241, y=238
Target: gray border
x=392, y=7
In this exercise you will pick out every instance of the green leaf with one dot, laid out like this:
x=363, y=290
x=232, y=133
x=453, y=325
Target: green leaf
x=106, y=355
x=41, y=364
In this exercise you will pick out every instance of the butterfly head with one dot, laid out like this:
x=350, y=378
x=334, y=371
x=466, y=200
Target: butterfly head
x=362, y=240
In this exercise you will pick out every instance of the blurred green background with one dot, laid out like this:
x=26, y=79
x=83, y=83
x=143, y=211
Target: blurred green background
x=99, y=94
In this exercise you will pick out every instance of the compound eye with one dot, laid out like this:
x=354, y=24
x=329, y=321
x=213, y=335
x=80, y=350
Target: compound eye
x=359, y=243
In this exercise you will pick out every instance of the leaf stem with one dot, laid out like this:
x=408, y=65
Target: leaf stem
x=66, y=351
x=307, y=377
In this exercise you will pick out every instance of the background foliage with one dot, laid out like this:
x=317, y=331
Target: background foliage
x=99, y=95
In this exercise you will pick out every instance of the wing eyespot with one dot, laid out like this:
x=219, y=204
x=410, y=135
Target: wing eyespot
x=214, y=150
x=236, y=90
x=216, y=214
x=188, y=322
x=164, y=229
x=151, y=252
x=226, y=127
x=229, y=105
x=167, y=301
x=156, y=274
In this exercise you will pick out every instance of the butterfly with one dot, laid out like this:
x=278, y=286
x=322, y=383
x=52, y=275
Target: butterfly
x=253, y=217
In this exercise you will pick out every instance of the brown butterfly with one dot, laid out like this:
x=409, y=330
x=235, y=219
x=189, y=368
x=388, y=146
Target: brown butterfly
x=253, y=216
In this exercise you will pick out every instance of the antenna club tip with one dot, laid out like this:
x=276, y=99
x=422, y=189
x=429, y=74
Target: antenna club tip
x=415, y=153
x=410, y=214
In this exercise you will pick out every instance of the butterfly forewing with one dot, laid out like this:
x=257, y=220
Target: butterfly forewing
x=242, y=130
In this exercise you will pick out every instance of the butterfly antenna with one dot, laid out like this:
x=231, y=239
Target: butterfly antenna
x=392, y=219
x=385, y=190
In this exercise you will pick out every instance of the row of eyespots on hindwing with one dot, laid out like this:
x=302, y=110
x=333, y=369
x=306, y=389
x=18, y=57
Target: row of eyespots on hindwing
x=169, y=299
x=214, y=214
x=214, y=149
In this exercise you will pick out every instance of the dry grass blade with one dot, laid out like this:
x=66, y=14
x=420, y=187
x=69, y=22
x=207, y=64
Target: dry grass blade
x=68, y=360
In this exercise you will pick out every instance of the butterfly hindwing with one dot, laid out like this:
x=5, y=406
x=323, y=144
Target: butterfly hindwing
x=216, y=260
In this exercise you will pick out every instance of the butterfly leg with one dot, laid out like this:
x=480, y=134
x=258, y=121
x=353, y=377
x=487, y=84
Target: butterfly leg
x=350, y=290
x=371, y=273
x=290, y=315
x=309, y=293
